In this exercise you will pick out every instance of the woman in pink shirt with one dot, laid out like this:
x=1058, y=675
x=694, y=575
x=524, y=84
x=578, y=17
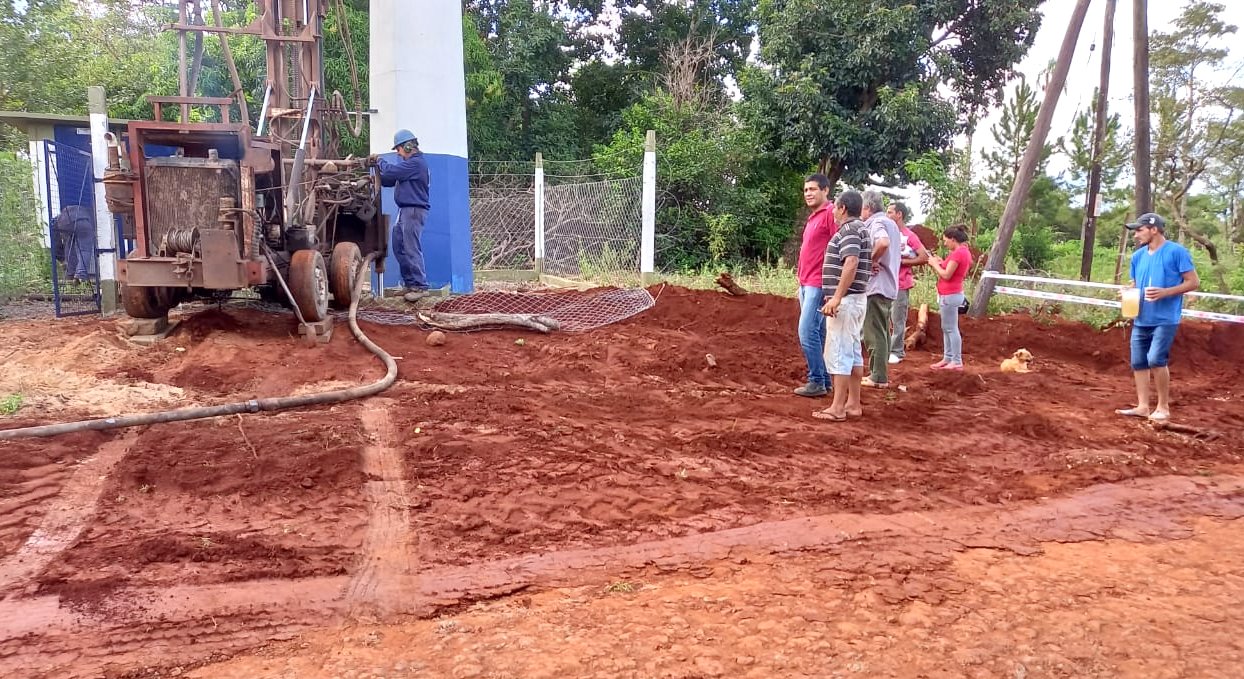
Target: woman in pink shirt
x=950, y=274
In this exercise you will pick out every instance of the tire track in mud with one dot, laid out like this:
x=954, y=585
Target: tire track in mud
x=1149, y=509
x=378, y=584
x=66, y=516
x=44, y=637
x=41, y=637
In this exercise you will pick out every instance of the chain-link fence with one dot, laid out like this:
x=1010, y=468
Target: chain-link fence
x=592, y=220
x=592, y=231
x=503, y=220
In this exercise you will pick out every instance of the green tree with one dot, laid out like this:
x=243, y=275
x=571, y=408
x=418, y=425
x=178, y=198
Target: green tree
x=861, y=97
x=1011, y=135
x=1077, y=146
x=531, y=49
x=719, y=201
x=648, y=29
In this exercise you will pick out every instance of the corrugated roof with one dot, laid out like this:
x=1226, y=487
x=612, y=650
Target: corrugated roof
x=21, y=119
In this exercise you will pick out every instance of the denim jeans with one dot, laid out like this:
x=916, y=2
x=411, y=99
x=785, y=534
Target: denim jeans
x=1151, y=345
x=812, y=333
x=952, y=341
x=407, y=247
x=898, y=319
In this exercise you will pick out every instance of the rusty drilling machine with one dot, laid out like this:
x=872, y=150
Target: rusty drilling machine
x=223, y=207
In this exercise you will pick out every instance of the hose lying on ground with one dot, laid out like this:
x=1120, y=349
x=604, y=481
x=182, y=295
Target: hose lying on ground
x=251, y=406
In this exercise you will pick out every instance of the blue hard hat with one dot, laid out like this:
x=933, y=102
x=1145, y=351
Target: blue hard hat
x=403, y=136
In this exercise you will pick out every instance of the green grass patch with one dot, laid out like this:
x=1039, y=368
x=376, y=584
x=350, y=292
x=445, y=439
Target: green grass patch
x=10, y=404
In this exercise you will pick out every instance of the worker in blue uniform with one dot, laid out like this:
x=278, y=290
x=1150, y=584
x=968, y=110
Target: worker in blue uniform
x=407, y=172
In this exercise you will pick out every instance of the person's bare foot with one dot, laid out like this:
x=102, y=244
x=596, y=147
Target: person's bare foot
x=827, y=414
x=858, y=412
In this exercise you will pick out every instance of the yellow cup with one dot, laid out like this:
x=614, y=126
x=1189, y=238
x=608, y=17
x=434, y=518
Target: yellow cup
x=1131, y=302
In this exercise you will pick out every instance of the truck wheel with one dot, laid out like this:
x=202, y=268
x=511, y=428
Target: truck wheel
x=144, y=302
x=308, y=281
x=344, y=266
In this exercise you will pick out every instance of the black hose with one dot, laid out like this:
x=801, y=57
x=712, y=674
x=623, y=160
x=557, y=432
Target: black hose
x=252, y=406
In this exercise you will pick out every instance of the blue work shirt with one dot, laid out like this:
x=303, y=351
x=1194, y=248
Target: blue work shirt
x=409, y=177
x=1163, y=268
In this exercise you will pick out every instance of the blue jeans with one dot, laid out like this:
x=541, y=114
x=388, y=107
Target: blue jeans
x=812, y=333
x=1151, y=345
x=952, y=341
x=407, y=247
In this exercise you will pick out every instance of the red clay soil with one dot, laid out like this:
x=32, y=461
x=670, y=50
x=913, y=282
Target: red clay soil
x=491, y=460
x=198, y=503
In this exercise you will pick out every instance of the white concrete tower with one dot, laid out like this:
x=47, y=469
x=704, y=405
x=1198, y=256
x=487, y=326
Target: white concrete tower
x=418, y=83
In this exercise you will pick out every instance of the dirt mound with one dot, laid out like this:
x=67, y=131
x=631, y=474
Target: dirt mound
x=708, y=311
x=622, y=440
x=201, y=325
x=1032, y=425
x=958, y=383
x=316, y=453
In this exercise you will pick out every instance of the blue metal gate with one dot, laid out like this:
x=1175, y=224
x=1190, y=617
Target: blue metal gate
x=70, y=202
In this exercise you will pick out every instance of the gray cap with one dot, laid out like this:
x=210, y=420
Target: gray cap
x=1148, y=219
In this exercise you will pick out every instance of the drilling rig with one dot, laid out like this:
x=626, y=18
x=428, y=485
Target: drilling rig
x=214, y=205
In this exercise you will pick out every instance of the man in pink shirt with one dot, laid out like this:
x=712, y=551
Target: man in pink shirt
x=913, y=254
x=816, y=234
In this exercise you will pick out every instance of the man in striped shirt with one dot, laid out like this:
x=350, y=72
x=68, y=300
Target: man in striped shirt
x=844, y=281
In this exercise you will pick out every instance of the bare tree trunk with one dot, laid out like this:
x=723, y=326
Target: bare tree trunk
x=1186, y=230
x=832, y=169
x=1118, y=264
x=1032, y=155
x=1099, y=144
x=1140, y=98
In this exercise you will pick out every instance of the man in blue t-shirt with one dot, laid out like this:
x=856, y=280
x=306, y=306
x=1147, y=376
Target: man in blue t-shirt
x=1163, y=271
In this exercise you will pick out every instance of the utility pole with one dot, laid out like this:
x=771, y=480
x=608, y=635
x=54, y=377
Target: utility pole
x=1099, y=147
x=1140, y=96
x=1028, y=164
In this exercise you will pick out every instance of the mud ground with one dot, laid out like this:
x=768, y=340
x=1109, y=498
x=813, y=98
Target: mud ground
x=608, y=504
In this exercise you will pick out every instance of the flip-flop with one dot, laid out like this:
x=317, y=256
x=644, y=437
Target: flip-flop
x=1159, y=417
x=1132, y=412
x=867, y=382
x=826, y=415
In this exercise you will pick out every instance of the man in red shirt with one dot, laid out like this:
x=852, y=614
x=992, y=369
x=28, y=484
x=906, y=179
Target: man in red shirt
x=816, y=234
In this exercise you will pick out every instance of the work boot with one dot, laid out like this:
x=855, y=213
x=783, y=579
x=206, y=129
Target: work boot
x=811, y=390
x=414, y=295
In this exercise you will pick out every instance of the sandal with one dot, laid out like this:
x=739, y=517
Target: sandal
x=868, y=382
x=1159, y=416
x=1133, y=412
x=826, y=415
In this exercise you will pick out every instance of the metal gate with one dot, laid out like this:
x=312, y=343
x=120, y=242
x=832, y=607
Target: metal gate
x=72, y=235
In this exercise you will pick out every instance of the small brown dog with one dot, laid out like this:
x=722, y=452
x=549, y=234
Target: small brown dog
x=1018, y=363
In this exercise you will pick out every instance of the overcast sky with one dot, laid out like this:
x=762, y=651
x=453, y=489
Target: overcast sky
x=1086, y=66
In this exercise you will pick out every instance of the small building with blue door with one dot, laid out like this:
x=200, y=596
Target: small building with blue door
x=54, y=136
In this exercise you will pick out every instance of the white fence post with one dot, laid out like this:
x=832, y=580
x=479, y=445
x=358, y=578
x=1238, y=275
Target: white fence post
x=539, y=209
x=648, y=199
x=105, y=228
